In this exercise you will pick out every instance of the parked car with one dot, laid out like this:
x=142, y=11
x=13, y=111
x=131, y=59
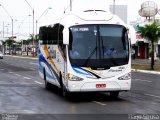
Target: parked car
x=1, y=55
x=7, y=52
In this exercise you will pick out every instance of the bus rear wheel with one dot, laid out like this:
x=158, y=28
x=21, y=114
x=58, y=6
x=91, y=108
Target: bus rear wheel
x=47, y=85
x=64, y=92
x=114, y=94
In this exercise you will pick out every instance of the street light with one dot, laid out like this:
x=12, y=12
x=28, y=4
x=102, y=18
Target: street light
x=70, y=5
x=113, y=6
x=18, y=32
x=22, y=22
x=6, y=34
x=159, y=11
x=9, y=16
x=33, y=23
x=40, y=17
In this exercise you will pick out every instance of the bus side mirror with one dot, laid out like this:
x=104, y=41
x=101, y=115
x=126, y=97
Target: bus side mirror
x=66, y=36
x=132, y=35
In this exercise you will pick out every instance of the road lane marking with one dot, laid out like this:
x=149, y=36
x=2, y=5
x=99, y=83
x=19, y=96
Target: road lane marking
x=99, y=103
x=153, y=95
x=38, y=82
x=27, y=78
x=142, y=80
x=11, y=72
x=32, y=68
x=154, y=103
x=33, y=63
x=17, y=74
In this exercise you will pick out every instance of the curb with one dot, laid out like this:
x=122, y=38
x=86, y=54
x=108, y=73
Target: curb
x=146, y=71
x=22, y=57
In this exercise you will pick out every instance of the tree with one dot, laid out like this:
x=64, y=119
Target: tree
x=36, y=38
x=9, y=43
x=151, y=32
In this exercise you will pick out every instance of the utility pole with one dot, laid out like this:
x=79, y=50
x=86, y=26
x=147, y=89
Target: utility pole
x=11, y=20
x=3, y=30
x=3, y=40
x=70, y=5
x=114, y=7
x=40, y=17
x=33, y=36
x=33, y=27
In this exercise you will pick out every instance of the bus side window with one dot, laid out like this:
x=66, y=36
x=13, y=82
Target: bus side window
x=51, y=34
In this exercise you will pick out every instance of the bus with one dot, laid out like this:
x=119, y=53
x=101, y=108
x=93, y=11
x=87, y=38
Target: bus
x=86, y=51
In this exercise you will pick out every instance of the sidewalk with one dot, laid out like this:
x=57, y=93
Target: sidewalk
x=143, y=65
x=22, y=56
x=144, y=61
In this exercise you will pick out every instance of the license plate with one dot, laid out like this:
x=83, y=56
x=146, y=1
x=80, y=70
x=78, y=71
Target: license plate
x=100, y=85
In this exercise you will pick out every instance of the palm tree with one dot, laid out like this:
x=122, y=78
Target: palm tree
x=151, y=32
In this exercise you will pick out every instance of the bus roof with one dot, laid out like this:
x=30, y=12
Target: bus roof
x=90, y=17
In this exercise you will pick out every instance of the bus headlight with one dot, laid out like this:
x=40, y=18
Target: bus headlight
x=125, y=77
x=74, y=78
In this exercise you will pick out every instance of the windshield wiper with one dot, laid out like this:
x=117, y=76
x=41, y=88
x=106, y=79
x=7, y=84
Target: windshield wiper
x=86, y=61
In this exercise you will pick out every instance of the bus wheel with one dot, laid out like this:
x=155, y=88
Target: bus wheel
x=63, y=89
x=47, y=85
x=114, y=94
x=64, y=92
x=44, y=74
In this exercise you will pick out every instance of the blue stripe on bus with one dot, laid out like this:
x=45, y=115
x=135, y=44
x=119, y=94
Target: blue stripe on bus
x=47, y=74
x=82, y=71
x=42, y=59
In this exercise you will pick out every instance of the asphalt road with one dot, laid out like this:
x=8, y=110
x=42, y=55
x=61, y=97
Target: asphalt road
x=22, y=93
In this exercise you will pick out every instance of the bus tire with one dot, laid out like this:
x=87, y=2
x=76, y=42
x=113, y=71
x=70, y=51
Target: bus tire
x=114, y=94
x=44, y=74
x=47, y=84
x=63, y=89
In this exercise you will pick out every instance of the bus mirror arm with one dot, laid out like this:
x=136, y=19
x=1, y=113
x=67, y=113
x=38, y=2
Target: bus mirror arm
x=66, y=36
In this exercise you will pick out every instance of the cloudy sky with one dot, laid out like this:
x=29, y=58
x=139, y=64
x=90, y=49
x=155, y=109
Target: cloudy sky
x=22, y=14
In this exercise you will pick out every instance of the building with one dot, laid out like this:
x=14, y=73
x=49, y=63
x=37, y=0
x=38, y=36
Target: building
x=143, y=46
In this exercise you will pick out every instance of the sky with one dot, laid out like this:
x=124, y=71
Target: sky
x=22, y=13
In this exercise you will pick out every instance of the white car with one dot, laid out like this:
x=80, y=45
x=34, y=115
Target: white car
x=1, y=55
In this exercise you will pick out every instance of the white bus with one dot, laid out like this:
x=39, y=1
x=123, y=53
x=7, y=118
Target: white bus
x=86, y=52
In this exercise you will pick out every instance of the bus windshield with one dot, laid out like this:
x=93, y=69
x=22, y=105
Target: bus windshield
x=98, y=46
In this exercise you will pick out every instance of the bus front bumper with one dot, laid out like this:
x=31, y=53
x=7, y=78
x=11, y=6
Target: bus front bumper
x=80, y=86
